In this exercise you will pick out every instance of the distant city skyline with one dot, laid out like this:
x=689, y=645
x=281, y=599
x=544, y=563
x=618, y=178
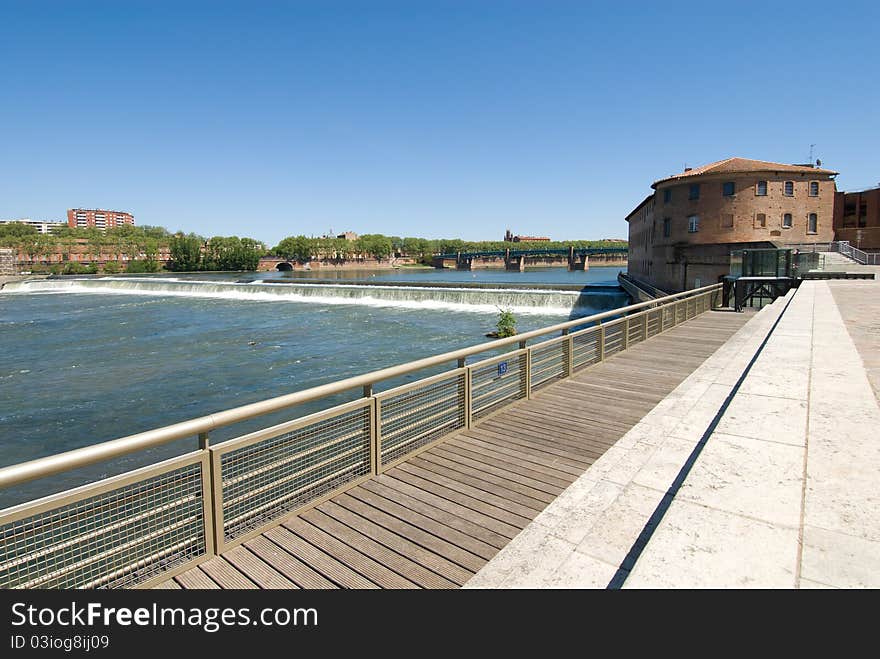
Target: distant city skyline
x=434, y=119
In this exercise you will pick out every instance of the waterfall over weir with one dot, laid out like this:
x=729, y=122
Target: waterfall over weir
x=545, y=301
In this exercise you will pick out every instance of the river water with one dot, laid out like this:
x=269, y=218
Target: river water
x=92, y=359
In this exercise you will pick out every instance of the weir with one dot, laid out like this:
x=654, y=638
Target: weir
x=482, y=298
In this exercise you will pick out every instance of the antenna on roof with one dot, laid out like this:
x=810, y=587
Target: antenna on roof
x=810, y=159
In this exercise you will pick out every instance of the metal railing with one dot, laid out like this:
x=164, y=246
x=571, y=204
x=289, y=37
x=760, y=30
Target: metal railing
x=865, y=258
x=841, y=247
x=147, y=525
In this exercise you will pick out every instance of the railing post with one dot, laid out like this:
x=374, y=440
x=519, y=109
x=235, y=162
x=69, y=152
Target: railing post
x=601, y=342
x=212, y=497
x=645, y=328
x=376, y=438
x=468, y=394
x=528, y=369
x=375, y=429
x=568, y=364
x=625, y=332
x=216, y=496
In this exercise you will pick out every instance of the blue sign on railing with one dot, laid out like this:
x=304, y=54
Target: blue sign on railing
x=502, y=368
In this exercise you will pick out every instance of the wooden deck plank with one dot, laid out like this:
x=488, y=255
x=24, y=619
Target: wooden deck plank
x=541, y=448
x=403, y=565
x=394, y=541
x=375, y=509
x=581, y=449
x=483, y=502
x=533, y=481
x=495, y=530
x=170, y=584
x=509, y=487
x=195, y=579
x=434, y=519
x=372, y=570
x=225, y=574
x=454, y=529
x=337, y=572
x=474, y=482
x=523, y=461
x=290, y=566
x=257, y=570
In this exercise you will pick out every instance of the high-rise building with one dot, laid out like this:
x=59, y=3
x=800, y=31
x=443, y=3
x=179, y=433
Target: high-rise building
x=100, y=219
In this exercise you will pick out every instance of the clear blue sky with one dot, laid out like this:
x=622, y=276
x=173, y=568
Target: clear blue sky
x=437, y=119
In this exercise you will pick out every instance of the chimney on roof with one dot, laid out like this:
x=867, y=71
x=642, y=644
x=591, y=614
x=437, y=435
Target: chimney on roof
x=687, y=169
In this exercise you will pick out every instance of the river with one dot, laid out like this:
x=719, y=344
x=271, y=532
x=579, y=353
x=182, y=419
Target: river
x=85, y=360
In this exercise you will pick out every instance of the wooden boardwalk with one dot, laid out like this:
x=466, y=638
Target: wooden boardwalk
x=434, y=520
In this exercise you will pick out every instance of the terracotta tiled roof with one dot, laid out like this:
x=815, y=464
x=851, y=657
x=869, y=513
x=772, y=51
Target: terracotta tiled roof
x=739, y=165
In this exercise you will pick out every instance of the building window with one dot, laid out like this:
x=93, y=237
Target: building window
x=760, y=221
x=788, y=189
x=667, y=195
x=694, y=191
x=761, y=189
x=812, y=223
x=667, y=227
x=693, y=223
x=728, y=188
x=727, y=221
x=786, y=221
x=814, y=188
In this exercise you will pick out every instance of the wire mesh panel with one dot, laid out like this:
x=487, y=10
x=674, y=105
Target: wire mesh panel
x=416, y=414
x=585, y=347
x=690, y=308
x=668, y=317
x=268, y=474
x=679, y=309
x=496, y=382
x=549, y=361
x=655, y=319
x=614, y=337
x=116, y=533
x=635, y=330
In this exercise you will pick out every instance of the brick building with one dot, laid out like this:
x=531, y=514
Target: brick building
x=42, y=226
x=510, y=238
x=82, y=218
x=857, y=218
x=681, y=235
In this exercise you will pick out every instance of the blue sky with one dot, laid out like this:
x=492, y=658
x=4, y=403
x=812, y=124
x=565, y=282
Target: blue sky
x=437, y=119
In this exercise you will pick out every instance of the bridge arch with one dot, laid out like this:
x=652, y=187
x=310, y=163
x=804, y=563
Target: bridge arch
x=284, y=266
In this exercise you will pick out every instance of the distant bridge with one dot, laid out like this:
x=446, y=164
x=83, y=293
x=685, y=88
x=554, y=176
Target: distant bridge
x=515, y=259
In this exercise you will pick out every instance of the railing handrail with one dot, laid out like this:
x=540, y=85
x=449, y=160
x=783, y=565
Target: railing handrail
x=87, y=455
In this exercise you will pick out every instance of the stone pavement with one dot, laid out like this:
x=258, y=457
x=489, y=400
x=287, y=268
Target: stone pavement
x=759, y=470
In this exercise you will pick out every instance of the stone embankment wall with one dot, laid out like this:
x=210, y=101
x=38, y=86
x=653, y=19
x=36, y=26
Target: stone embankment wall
x=7, y=262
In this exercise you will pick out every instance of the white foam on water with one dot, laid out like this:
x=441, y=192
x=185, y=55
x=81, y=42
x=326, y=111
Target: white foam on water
x=533, y=301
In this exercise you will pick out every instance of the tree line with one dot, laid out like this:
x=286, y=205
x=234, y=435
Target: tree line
x=192, y=252
x=378, y=246
x=141, y=245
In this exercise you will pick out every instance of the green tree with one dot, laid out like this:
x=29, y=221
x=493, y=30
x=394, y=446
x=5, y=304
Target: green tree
x=296, y=248
x=186, y=252
x=376, y=245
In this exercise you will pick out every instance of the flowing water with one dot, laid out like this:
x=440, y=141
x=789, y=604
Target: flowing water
x=92, y=359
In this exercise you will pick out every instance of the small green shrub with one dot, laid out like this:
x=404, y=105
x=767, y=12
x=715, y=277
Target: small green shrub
x=111, y=267
x=506, y=324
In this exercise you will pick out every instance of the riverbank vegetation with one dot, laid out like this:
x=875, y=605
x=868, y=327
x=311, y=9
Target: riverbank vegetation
x=304, y=249
x=150, y=248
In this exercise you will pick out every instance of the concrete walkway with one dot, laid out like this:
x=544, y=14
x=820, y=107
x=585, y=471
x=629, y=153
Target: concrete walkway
x=759, y=470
